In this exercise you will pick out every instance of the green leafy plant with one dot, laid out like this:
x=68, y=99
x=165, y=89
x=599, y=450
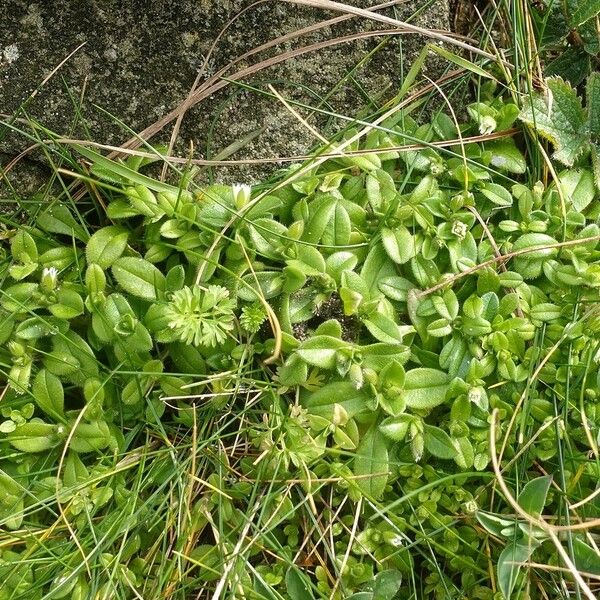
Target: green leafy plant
x=559, y=116
x=568, y=36
x=327, y=346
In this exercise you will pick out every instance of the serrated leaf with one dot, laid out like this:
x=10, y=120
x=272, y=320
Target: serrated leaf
x=593, y=103
x=559, y=117
x=139, y=277
x=371, y=463
x=586, y=10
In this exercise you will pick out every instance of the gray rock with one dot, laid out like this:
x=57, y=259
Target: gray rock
x=139, y=60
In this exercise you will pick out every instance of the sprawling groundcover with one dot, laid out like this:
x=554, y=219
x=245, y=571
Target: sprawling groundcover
x=374, y=376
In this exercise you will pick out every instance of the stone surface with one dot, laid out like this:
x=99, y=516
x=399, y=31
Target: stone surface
x=139, y=60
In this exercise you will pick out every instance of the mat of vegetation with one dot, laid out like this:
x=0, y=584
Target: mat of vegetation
x=375, y=376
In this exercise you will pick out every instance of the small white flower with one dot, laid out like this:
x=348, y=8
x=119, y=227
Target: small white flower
x=459, y=229
x=241, y=194
x=49, y=278
x=475, y=395
x=397, y=541
x=487, y=125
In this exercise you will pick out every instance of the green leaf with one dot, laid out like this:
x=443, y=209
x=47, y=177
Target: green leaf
x=323, y=401
x=34, y=436
x=297, y=584
x=269, y=286
x=506, y=156
x=377, y=267
x=319, y=220
x=387, y=584
x=383, y=329
x=559, y=117
x=380, y=188
x=48, y=393
x=538, y=243
x=321, y=351
x=497, y=194
x=439, y=328
x=586, y=10
x=339, y=262
x=23, y=247
x=465, y=455
x=11, y=502
x=396, y=288
x=310, y=260
x=371, y=463
x=106, y=245
x=58, y=219
x=39, y=327
x=578, y=186
x=593, y=103
x=509, y=565
x=493, y=523
x=91, y=437
x=585, y=557
x=337, y=231
x=293, y=372
x=425, y=388
x=533, y=495
x=377, y=356
x=12, y=496
x=462, y=62
x=398, y=243
x=68, y=306
x=396, y=428
x=121, y=172
x=139, y=277
x=439, y=443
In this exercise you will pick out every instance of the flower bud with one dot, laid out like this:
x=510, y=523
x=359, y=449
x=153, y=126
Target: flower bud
x=241, y=195
x=49, y=279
